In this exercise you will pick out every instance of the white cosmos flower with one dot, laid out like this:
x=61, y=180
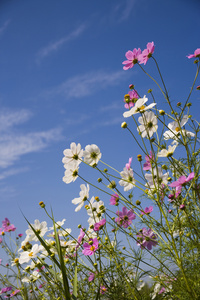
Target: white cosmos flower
x=167, y=153
x=148, y=123
x=175, y=129
x=127, y=181
x=74, y=154
x=92, y=154
x=139, y=107
x=71, y=173
x=40, y=228
x=95, y=211
x=27, y=255
x=156, y=178
x=84, y=195
x=58, y=224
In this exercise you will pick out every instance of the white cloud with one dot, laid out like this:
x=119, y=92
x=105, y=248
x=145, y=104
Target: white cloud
x=12, y=172
x=124, y=10
x=4, y=26
x=83, y=85
x=9, y=118
x=52, y=47
x=14, y=144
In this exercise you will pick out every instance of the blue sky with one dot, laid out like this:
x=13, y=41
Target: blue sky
x=62, y=80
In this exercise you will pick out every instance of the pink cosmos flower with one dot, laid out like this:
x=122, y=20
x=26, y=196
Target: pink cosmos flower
x=147, y=210
x=128, y=165
x=147, y=164
x=125, y=217
x=11, y=227
x=147, y=53
x=7, y=226
x=196, y=54
x=133, y=96
x=91, y=277
x=5, y=223
x=98, y=226
x=103, y=289
x=114, y=199
x=6, y=289
x=91, y=247
x=146, y=238
x=12, y=294
x=133, y=57
x=20, y=234
x=80, y=237
x=180, y=182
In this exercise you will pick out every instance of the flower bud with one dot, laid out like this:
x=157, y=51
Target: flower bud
x=41, y=203
x=112, y=185
x=105, y=170
x=131, y=86
x=189, y=104
x=164, y=167
x=198, y=87
x=97, y=198
x=99, y=179
x=149, y=90
x=182, y=207
x=137, y=202
x=124, y=125
x=139, y=157
x=178, y=104
x=79, y=226
x=161, y=112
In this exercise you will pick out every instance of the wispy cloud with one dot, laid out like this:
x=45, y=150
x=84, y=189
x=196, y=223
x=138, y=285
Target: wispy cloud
x=14, y=144
x=4, y=26
x=124, y=10
x=12, y=172
x=87, y=84
x=56, y=45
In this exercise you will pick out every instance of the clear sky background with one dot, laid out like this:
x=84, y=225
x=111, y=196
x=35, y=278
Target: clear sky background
x=61, y=80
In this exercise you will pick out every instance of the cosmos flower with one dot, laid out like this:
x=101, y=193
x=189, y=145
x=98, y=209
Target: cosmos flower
x=92, y=154
x=90, y=247
x=125, y=217
x=146, y=238
x=132, y=58
x=84, y=195
x=139, y=107
x=148, y=123
x=147, y=53
x=196, y=54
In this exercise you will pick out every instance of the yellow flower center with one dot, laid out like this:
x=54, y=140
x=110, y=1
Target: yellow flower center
x=177, y=129
x=30, y=254
x=92, y=248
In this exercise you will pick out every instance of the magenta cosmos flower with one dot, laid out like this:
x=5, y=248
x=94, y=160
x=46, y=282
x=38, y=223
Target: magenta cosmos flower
x=147, y=165
x=125, y=217
x=130, y=99
x=103, y=289
x=146, y=238
x=147, y=53
x=91, y=277
x=180, y=182
x=147, y=210
x=196, y=53
x=132, y=58
x=90, y=247
x=114, y=199
x=98, y=226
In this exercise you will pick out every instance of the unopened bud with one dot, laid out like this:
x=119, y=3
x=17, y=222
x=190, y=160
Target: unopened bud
x=137, y=202
x=99, y=179
x=41, y=203
x=131, y=86
x=124, y=125
x=150, y=90
x=161, y=112
x=139, y=157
